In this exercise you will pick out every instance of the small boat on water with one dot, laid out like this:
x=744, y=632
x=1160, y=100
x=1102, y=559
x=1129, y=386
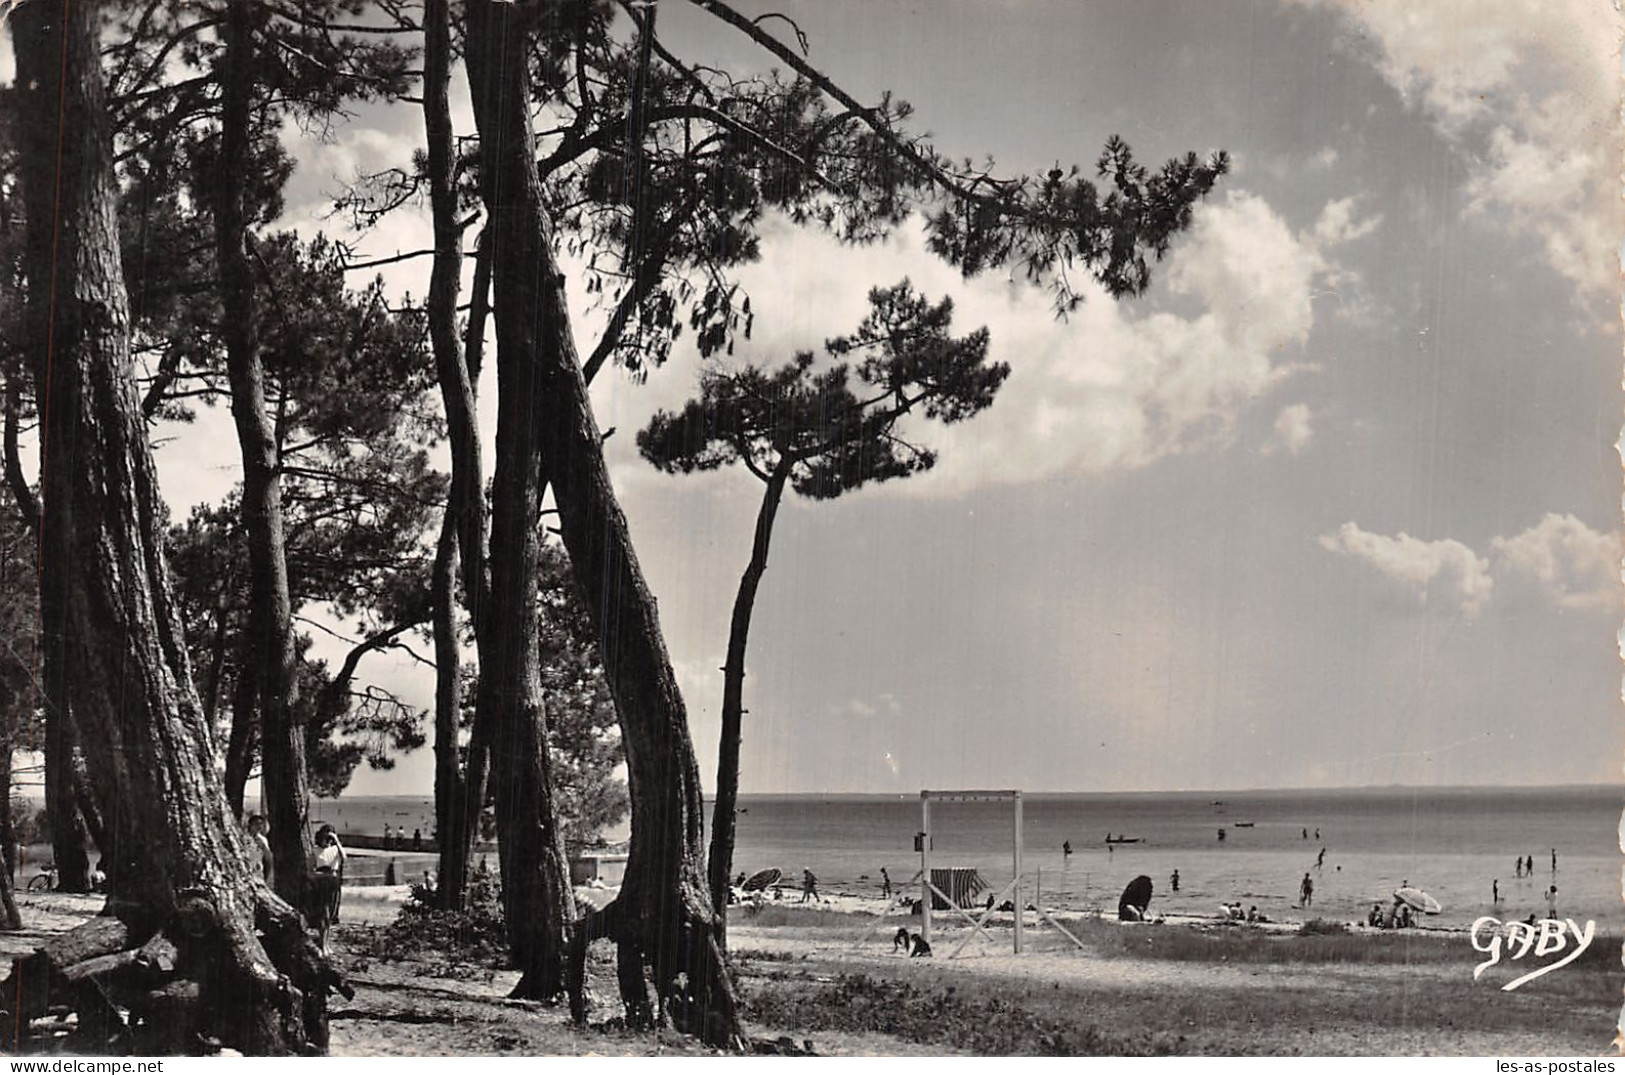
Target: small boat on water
x=1123, y=839
x=1243, y=824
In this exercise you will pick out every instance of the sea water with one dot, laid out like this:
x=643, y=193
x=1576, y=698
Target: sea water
x=1453, y=843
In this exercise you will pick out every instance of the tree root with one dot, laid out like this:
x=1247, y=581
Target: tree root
x=689, y=970
x=205, y=980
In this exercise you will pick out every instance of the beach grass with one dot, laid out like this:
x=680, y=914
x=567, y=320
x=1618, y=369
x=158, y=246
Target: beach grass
x=971, y=1019
x=1240, y=945
x=1211, y=988
x=773, y=915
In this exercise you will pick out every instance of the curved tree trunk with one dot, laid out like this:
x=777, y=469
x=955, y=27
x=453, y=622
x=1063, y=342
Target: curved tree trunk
x=178, y=858
x=270, y=616
x=664, y=910
x=535, y=876
x=724, y=813
x=459, y=776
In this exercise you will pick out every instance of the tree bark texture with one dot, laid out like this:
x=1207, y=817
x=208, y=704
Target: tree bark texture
x=270, y=642
x=460, y=777
x=664, y=908
x=8, y=842
x=84, y=797
x=535, y=874
x=8, y=819
x=173, y=842
x=8, y=902
x=67, y=833
x=724, y=821
x=243, y=740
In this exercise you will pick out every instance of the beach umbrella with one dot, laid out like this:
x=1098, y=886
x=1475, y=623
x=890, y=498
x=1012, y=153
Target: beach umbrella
x=761, y=879
x=1417, y=900
x=1136, y=896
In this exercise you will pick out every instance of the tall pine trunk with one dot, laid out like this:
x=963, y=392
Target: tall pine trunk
x=724, y=820
x=664, y=912
x=172, y=840
x=270, y=642
x=460, y=776
x=535, y=874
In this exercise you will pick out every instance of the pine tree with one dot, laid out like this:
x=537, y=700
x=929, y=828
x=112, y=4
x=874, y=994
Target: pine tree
x=810, y=428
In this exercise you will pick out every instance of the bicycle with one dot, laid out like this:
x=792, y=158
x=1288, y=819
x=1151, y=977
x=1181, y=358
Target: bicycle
x=45, y=880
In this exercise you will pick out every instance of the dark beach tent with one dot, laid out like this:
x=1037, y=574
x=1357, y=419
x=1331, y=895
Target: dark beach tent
x=962, y=884
x=761, y=879
x=1136, y=900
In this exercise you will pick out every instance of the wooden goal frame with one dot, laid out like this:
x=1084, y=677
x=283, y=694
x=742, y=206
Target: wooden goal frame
x=1011, y=890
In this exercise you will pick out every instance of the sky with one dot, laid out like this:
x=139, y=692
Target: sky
x=1336, y=503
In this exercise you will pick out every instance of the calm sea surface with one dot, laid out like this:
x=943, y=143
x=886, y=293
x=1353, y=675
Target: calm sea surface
x=1452, y=842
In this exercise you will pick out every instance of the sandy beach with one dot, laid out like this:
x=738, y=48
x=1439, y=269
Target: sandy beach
x=828, y=976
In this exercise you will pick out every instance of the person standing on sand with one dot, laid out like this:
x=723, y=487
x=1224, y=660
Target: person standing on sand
x=1306, y=892
x=1173, y=882
x=1495, y=892
x=1551, y=902
x=885, y=883
x=1517, y=867
x=809, y=886
x=1554, y=860
x=1066, y=848
x=327, y=883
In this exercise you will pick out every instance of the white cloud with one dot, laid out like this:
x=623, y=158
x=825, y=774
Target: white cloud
x=884, y=705
x=1530, y=91
x=1293, y=430
x=1113, y=388
x=1110, y=388
x=1570, y=563
x=1560, y=560
x=1443, y=572
x=1337, y=224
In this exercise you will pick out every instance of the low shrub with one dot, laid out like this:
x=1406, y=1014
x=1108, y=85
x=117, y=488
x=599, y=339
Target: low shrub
x=476, y=935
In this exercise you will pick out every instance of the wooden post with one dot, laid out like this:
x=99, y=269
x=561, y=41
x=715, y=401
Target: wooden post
x=1020, y=905
x=925, y=866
